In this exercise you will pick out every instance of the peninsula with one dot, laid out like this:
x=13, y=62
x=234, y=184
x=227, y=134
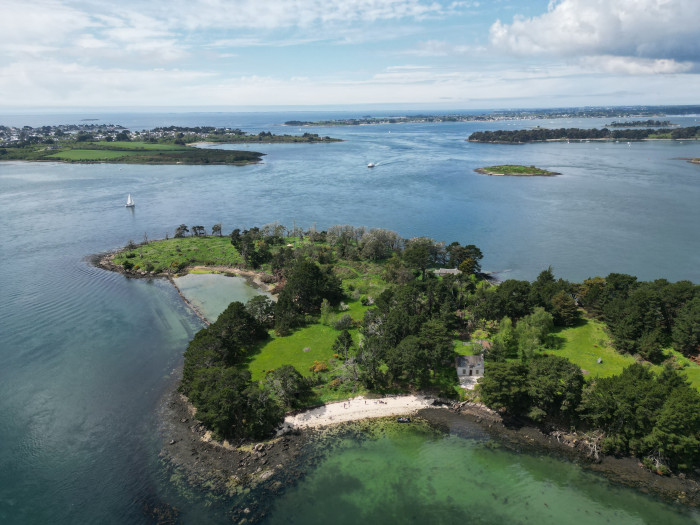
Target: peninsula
x=515, y=170
x=90, y=143
x=523, y=136
x=363, y=313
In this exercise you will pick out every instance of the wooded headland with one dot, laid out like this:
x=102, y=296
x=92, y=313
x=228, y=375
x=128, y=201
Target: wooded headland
x=361, y=311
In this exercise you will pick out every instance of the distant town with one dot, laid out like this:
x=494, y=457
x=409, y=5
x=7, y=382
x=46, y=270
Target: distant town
x=519, y=114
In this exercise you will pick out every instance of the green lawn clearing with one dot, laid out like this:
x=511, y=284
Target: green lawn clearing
x=289, y=350
x=192, y=251
x=90, y=154
x=585, y=343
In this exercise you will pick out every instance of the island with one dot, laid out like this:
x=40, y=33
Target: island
x=90, y=143
x=516, y=170
x=640, y=124
x=523, y=136
x=365, y=323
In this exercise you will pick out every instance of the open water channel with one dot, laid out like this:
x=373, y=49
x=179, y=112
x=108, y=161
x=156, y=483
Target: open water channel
x=87, y=354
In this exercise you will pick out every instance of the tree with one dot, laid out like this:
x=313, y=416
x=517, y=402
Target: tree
x=261, y=307
x=436, y=344
x=232, y=406
x=504, y=386
x=676, y=434
x=377, y=243
x=181, y=231
x=370, y=357
x=406, y=360
x=218, y=394
x=198, y=231
x=554, y=387
x=505, y=342
x=306, y=287
x=686, y=329
x=625, y=407
x=288, y=385
x=343, y=344
x=239, y=332
x=515, y=297
x=216, y=229
x=531, y=331
x=467, y=266
x=459, y=254
x=564, y=310
x=418, y=254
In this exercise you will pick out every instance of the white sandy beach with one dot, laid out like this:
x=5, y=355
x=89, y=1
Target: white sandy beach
x=355, y=409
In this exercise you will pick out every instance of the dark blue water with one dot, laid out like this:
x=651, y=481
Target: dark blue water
x=87, y=354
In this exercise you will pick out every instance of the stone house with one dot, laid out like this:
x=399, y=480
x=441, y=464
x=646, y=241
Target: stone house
x=469, y=366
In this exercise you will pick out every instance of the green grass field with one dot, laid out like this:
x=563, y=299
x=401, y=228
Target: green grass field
x=289, y=350
x=585, y=343
x=206, y=251
x=141, y=145
x=90, y=155
x=131, y=153
x=318, y=338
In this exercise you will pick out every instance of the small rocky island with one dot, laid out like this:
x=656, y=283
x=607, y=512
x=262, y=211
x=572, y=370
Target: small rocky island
x=516, y=170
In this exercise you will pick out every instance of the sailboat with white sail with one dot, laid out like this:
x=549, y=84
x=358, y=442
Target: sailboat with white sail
x=129, y=202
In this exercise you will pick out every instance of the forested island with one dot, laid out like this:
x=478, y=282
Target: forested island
x=521, y=114
x=515, y=170
x=365, y=311
x=640, y=124
x=523, y=136
x=115, y=144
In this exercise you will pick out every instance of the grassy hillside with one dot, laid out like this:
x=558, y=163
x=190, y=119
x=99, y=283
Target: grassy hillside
x=585, y=343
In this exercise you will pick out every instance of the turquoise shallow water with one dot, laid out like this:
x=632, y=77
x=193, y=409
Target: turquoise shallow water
x=87, y=354
x=212, y=293
x=409, y=477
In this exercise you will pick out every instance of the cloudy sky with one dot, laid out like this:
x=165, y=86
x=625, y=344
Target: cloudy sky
x=440, y=53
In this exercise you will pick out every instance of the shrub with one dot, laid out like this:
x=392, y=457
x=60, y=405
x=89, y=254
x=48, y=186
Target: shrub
x=344, y=323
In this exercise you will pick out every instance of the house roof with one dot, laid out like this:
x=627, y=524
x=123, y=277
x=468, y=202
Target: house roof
x=446, y=271
x=469, y=360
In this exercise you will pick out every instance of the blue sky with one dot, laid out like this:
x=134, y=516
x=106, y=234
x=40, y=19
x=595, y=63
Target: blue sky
x=441, y=54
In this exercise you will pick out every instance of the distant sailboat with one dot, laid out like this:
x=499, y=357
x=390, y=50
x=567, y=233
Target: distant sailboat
x=129, y=202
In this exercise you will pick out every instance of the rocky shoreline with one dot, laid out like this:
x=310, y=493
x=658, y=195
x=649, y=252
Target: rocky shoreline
x=249, y=473
x=268, y=467
x=523, y=435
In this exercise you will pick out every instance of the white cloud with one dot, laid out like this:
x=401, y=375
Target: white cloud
x=635, y=66
x=268, y=14
x=64, y=84
x=440, y=48
x=41, y=23
x=647, y=29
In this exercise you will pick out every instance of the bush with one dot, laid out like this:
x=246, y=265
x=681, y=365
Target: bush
x=344, y=323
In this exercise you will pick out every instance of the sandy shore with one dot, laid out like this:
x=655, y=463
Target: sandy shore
x=355, y=409
x=253, y=276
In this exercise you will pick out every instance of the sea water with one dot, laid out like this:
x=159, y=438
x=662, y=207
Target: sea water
x=408, y=477
x=211, y=293
x=87, y=354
